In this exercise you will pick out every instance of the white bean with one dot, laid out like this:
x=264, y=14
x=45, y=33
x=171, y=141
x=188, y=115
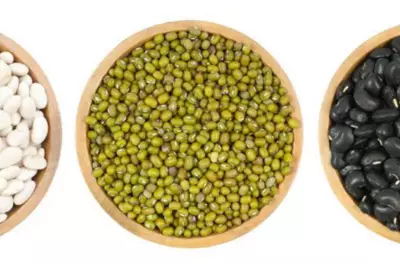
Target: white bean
x=6, y=204
x=5, y=93
x=38, y=94
x=23, y=89
x=28, y=108
x=39, y=130
x=41, y=152
x=13, y=187
x=10, y=173
x=26, y=193
x=7, y=57
x=26, y=174
x=26, y=79
x=13, y=84
x=19, y=69
x=30, y=151
x=16, y=137
x=15, y=119
x=10, y=156
x=34, y=162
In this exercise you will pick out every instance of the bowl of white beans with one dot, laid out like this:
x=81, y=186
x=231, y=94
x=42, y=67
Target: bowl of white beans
x=30, y=134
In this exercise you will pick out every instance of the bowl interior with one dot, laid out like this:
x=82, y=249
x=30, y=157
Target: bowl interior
x=82, y=143
x=52, y=144
x=342, y=74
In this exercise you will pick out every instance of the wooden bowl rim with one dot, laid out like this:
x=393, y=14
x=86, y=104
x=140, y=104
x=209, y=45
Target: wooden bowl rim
x=82, y=146
x=333, y=177
x=52, y=144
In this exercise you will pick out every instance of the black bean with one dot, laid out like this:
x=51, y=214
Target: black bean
x=376, y=179
x=395, y=44
x=366, y=131
x=381, y=53
x=396, y=57
x=392, y=146
x=380, y=66
x=367, y=68
x=373, y=144
x=392, y=169
x=374, y=192
x=354, y=156
x=373, y=85
x=366, y=205
x=348, y=169
x=385, y=115
x=389, y=96
x=354, y=183
x=341, y=138
x=373, y=157
x=363, y=99
x=384, y=131
x=356, y=76
x=341, y=109
x=392, y=73
x=337, y=160
x=344, y=88
x=389, y=198
x=384, y=213
x=358, y=115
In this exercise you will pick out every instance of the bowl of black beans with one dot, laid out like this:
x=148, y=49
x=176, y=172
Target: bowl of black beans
x=360, y=134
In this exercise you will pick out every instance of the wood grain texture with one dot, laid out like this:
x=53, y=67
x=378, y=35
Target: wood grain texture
x=52, y=144
x=82, y=144
x=333, y=177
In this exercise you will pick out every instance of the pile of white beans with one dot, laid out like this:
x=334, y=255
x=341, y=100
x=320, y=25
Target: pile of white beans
x=23, y=128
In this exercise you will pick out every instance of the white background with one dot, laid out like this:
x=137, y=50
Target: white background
x=309, y=39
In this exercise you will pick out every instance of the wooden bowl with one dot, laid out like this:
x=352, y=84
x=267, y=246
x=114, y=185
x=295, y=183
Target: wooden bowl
x=333, y=177
x=52, y=145
x=82, y=143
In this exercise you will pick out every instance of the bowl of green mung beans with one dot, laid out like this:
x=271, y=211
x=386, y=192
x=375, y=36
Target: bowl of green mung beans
x=188, y=134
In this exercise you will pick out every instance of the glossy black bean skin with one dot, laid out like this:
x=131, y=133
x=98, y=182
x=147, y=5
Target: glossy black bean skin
x=392, y=146
x=356, y=76
x=348, y=169
x=389, y=198
x=354, y=183
x=384, y=213
x=389, y=96
x=337, y=160
x=367, y=67
x=392, y=73
x=395, y=57
x=380, y=66
x=365, y=131
x=341, y=138
x=341, y=109
x=373, y=144
x=351, y=123
x=353, y=156
x=344, y=88
x=376, y=179
x=373, y=157
x=385, y=115
x=381, y=53
x=392, y=169
x=363, y=99
x=395, y=186
x=358, y=115
x=395, y=44
x=366, y=205
x=373, y=85
x=384, y=131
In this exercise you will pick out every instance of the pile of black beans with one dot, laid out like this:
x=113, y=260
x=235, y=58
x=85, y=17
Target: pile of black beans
x=365, y=134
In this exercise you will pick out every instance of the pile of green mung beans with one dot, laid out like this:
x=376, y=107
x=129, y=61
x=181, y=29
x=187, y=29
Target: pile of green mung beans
x=191, y=134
